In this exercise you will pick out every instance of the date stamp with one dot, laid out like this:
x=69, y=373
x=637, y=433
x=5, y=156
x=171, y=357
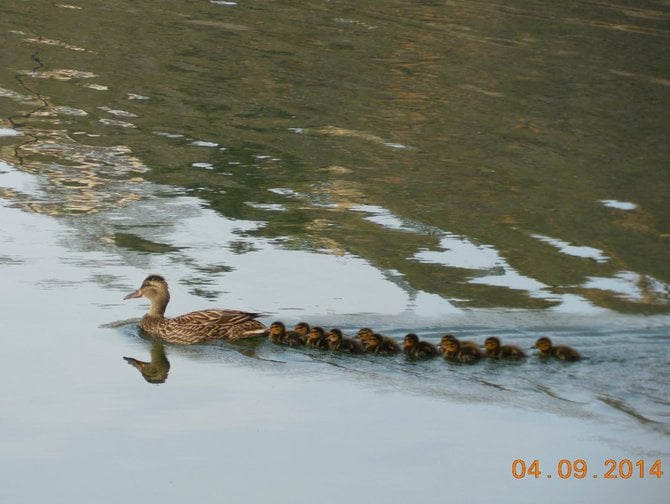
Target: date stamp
x=579, y=469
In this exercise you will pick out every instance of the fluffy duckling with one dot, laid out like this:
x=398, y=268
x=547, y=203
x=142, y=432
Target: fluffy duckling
x=278, y=334
x=376, y=343
x=317, y=338
x=562, y=352
x=302, y=328
x=364, y=334
x=464, y=343
x=460, y=351
x=494, y=350
x=337, y=341
x=382, y=345
x=418, y=349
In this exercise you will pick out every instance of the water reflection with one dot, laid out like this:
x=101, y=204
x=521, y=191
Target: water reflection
x=157, y=369
x=360, y=114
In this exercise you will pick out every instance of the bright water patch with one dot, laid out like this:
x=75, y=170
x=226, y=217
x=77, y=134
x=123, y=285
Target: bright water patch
x=620, y=205
x=574, y=250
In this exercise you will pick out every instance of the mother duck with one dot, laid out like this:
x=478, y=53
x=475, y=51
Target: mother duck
x=194, y=327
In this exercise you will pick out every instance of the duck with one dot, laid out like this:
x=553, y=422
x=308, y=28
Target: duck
x=417, y=349
x=278, y=334
x=317, y=338
x=373, y=342
x=155, y=371
x=562, y=352
x=460, y=351
x=493, y=349
x=194, y=327
x=337, y=341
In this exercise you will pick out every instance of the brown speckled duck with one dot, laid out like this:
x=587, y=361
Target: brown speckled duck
x=337, y=341
x=493, y=349
x=418, y=349
x=460, y=351
x=279, y=335
x=194, y=327
x=562, y=352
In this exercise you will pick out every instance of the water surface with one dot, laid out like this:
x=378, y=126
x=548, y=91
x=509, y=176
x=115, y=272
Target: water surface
x=475, y=167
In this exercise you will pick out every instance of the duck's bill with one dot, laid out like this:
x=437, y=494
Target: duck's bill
x=136, y=294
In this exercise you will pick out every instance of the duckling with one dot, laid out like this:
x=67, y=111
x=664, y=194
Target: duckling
x=547, y=349
x=278, y=334
x=364, y=334
x=376, y=343
x=382, y=345
x=317, y=338
x=302, y=328
x=455, y=350
x=418, y=349
x=464, y=343
x=195, y=327
x=337, y=341
x=494, y=350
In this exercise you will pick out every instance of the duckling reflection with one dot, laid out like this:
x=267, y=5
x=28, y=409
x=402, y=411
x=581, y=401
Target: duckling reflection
x=417, y=349
x=155, y=371
x=493, y=349
x=337, y=341
x=546, y=349
x=460, y=351
x=278, y=334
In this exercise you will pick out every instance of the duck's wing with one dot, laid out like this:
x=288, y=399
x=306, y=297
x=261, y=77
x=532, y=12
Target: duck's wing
x=214, y=324
x=215, y=316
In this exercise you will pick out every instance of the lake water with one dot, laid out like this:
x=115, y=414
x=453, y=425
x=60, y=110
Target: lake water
x=475, y=167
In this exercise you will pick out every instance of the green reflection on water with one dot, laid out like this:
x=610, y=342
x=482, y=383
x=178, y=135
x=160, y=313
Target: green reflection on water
x=490, y=122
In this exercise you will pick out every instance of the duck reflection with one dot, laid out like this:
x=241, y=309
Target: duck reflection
x=155, y=371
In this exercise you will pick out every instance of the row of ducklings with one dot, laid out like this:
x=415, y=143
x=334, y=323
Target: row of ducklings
x=450, y=347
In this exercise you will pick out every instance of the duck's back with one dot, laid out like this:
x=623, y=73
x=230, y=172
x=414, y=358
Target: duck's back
x=204, y=325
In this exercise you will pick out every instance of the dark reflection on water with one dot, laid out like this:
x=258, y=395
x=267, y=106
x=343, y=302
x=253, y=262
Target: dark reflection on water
x=413, y=135
x=157, y=369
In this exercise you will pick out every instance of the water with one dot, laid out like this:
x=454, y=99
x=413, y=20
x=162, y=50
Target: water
x=467, y=167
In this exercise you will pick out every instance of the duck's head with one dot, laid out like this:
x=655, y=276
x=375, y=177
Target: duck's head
x=153, y=287
x=543, y=344
x=492, y=344
x=277, y=329
x=410, y=341
x=302, y=328
x=334, y=336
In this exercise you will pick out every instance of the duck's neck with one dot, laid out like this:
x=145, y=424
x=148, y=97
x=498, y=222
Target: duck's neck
x=158, y=305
